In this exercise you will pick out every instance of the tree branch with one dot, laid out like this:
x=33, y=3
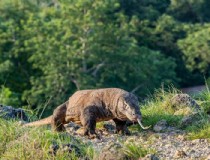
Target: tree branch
x=137, y=88
x=97, y=68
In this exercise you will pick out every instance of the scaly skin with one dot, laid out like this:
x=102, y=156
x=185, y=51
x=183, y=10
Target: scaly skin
x=87, y=107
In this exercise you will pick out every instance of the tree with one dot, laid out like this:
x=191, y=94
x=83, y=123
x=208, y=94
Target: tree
x=88, y=44
x=14, y=68
x=195, y=11
x=196, y=48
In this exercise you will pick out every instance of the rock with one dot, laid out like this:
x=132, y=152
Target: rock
x=179, y=154
x=160, y=126
x=180, y=101
x=195, y=141
x=53, y=149
x=109, y=127
x=113, y=151
x=72, y=127
x=184, y=111
x=186, y=148
x=64, y=148
x=149, y=157
x=105, y=133
x=8, y=112
x=181, y=137
x=189, y=120
x=69, y=148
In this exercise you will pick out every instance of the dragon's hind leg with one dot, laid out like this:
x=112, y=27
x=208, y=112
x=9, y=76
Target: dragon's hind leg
x=58, y=119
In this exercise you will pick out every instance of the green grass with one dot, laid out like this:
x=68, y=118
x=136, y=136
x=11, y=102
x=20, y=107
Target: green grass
x=34, y=143
x=202, y=129
x=204, y=100
x=199, y=132
x=135, y=151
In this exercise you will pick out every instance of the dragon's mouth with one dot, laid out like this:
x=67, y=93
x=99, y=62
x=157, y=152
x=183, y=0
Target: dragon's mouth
x=133, y=119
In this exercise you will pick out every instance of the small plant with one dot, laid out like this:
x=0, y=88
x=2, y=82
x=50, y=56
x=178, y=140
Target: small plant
x=135, y=151
x=198, y=132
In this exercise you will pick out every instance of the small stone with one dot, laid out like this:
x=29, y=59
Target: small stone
x=72, y=127
x=149, y=157
x=181, y=137
x=179, y=154
x=68, y=148
x=196, y=141
x=105, y=133
x=185, y=149
x=109, y=127
x=192, y=151
x=53, y=149
x=160, y=126
x=203, y=140
x=189, y=120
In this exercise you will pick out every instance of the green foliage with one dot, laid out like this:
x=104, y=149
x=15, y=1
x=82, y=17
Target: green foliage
x=87, y=44
x=182, y=10
x=14, y=68
x=196, y=48
x=7, y=97
x=50, y=49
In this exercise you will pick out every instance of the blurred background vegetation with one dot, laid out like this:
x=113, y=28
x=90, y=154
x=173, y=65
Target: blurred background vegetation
x=51, y=48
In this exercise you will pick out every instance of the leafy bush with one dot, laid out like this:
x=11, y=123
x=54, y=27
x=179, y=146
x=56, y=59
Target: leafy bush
x=7, y=97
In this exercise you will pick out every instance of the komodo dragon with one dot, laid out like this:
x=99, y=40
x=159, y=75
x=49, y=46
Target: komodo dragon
x=86, y=107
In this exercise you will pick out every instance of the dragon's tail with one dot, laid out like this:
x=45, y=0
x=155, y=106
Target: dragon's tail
x=40, y=122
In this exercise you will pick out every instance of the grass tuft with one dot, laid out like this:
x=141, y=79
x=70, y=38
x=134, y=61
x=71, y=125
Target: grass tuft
x=135, y=151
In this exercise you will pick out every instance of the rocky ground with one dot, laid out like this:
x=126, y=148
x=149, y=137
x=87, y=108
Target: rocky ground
x=170, y=143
